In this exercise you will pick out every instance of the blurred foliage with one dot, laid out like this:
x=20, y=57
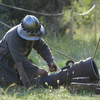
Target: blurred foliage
x=82, y=7
x=45, y=6
x=54, y=24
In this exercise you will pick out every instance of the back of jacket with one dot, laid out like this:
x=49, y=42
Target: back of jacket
x=18, y=49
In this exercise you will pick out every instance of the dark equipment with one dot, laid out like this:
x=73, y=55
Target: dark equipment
x=83, y=68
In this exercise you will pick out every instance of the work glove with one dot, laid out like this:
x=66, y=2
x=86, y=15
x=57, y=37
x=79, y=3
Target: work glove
x=41, y=72
x=52, y=67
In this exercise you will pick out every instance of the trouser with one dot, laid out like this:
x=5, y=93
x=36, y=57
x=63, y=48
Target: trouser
x=9, y=73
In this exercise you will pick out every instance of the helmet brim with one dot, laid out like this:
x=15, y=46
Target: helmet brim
x=25, y=35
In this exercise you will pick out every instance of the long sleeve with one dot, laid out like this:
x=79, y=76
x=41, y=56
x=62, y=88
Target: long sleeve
x=42, y=48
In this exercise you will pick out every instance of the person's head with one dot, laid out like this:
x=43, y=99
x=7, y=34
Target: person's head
x=30, y=28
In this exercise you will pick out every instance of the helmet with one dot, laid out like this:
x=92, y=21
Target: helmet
x=30, y=28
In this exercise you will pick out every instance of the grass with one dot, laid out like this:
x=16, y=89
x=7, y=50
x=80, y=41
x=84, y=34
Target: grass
x=20, y=93
x=81, y=47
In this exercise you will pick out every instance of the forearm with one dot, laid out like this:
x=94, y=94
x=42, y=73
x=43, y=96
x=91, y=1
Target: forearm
x=42, y=48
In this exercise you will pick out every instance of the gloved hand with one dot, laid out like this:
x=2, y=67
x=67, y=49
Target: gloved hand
x=41, y=72
x=52, y=67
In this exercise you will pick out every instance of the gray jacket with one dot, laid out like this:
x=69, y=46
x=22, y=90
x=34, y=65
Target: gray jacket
x=18, y=49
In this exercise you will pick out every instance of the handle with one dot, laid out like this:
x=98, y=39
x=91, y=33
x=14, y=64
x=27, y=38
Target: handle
x=67, y=64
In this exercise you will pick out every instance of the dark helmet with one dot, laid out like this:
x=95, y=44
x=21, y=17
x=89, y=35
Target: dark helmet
x=30, y=28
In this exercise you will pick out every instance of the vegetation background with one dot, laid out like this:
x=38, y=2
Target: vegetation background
x=66, y=30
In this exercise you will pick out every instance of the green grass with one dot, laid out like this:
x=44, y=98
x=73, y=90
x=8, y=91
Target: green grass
x=81, y=47
x=20, y=93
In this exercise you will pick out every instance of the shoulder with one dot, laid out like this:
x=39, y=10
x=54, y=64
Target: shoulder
x=12, y=36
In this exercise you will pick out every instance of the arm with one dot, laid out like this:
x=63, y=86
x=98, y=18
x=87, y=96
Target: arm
x=42, y=48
